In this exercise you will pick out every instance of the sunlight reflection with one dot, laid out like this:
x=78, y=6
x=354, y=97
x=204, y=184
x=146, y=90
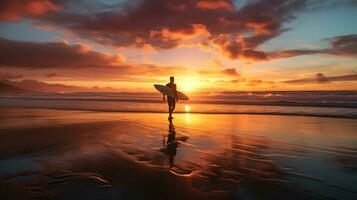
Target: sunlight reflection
x=187, y=117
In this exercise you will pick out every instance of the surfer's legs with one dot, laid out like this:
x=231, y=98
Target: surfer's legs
x=170, y=112
x=171, y=103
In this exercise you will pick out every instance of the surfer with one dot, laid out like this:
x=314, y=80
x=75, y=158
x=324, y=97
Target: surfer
x=171, y=101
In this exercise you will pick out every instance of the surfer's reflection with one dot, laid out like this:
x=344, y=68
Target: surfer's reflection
x=171, y=143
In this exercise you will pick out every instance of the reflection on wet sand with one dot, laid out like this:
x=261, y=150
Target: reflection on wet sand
x=138, y=156
x=172, y=142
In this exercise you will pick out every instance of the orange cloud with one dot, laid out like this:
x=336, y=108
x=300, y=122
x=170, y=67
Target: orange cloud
x=214, y=4
x=168, y=38
x=44, y=26
x=11, y=10
x=162, y=24
x=231, y=72
x=238, y=49
x=256, y=82
x=165, y=24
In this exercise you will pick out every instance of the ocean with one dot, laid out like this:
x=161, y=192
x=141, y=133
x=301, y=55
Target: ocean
x=307, y=103
x=107, y=143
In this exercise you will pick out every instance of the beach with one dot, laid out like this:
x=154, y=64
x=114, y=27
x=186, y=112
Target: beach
x=69, y=154
x=178, y=100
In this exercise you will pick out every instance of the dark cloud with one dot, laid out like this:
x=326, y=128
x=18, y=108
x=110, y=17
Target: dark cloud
x=7, y=76
x=321, y=78
x=214, y=4
x=51, y=55
x=166, y=24
x=292, y=53
x=237, y=49
x=345, y=45
x=254, y=54
x=73, y=61
x=51, y=75
x=349, y=77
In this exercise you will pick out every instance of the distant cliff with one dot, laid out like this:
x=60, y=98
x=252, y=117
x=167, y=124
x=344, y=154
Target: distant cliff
x=6, y=88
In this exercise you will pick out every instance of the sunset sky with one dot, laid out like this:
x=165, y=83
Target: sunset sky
x=208, y=45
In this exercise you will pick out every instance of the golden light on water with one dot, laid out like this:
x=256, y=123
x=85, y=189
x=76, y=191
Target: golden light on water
x=187, y=111
x=188, y=117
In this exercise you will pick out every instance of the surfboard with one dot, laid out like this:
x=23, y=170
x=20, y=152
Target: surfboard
x=170, y=92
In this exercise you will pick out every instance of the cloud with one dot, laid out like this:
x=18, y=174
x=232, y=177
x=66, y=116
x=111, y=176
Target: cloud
x=214, y=4
x=7, y=76
x=74, y=61
x=162, y=24
x=51, y=75
x=254, y=54
x=349, y=77
x=345, y=45
x=321, y=78
x=11, y=10
x=167, y=24
x=256, y=82
x=51, y=55
x=237, y=49
x=230, y=72
x=236, y=80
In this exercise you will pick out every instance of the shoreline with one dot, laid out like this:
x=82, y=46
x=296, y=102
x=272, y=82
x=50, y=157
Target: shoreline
x=183, y=112
x=213, y=102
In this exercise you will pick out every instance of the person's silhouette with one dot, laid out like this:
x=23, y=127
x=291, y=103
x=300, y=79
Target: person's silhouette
x=171, y=101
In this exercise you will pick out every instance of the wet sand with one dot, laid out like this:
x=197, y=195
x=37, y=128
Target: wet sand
x=54, y=154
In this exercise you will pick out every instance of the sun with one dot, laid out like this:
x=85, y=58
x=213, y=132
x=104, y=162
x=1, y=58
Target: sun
x=187, y=86
x=187, y=108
